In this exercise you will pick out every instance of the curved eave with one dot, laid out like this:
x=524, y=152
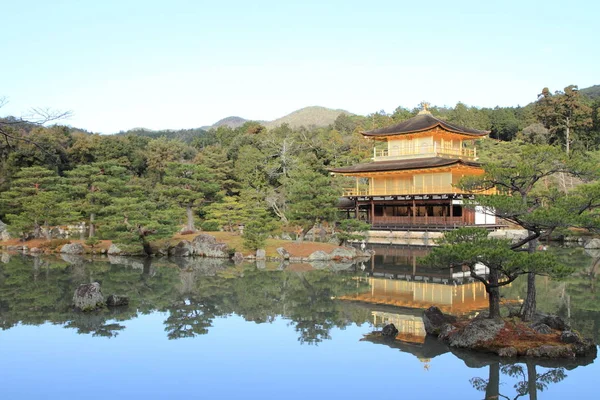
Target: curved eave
x=422, y=130
x=402, y=165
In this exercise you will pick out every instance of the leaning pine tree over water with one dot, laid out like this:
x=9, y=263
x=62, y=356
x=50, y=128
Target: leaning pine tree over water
x=530, y=195
x=470, y=247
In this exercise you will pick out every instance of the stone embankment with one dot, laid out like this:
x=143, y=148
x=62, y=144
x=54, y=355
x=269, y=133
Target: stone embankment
x=205, y=245
x=547, y=336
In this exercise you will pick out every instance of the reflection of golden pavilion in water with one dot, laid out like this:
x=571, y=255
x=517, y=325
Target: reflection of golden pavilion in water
x=456, y=299
x=452, y=299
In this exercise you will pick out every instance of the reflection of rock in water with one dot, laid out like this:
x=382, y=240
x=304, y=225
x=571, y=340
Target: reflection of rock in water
x=96, y=323
x=428, y=349
x=135, y=263
x=320, y=265
x=188, y=279
x=193, y=268
x=5, y=258
x=73, y=259
x=474, y=359
x=201, y=265
x=594, y=253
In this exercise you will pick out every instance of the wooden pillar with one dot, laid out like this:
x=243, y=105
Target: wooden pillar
x=413, y=211
x=356, y=209
x=372, y=211
x=444, y=213
x=357, y=187
x=451, y=209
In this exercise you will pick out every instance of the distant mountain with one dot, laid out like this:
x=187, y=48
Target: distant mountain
x=232, y=122
x=593, y=92
x=308, y=116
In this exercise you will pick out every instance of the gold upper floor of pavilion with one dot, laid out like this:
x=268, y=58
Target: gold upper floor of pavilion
x=422, y=155
x=425, y=136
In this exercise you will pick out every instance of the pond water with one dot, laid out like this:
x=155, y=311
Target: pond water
x=206, y=328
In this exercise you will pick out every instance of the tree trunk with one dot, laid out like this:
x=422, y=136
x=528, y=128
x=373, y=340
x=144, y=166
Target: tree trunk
x=147, y=262
x=567, y=133
x=37, y=231
x=47, y=231
x=494, y=294
x=190, y=218
x=492, y=389
x=92, y=226
x=530, y=301
x=147, y=248
x=494, y=297
x=531, y=381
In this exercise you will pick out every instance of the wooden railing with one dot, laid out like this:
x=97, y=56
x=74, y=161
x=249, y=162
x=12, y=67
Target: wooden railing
x=412, y=190
x=420, y=220
x=430, y=151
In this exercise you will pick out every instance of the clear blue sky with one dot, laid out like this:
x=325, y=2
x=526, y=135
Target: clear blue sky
x=183, y=64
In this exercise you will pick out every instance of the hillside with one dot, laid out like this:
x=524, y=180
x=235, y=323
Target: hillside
x=308, y=116
x=593, y=92
x=232, y=122
x=185, y=135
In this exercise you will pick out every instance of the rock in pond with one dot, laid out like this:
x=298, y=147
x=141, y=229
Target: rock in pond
x=319, y=255
x=389, y=330
x=116, y=301
x=114, y=250
x=542, y=328
x=237, y=258
x=340, y=253
x=434, y=320
x=261, y=254
x=553, y=321
x=182, y=249
x=88, y=297
x=283, y=253
x=207, y=246
x=480, y=330
x=72, y=248
x=569, y=337
x=508, y=352
x=592, y=244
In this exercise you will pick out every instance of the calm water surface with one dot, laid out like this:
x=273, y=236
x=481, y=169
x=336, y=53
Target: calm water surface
x=208, y=329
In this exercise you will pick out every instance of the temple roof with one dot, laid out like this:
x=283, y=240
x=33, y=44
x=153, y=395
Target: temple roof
x=424, y=121
x=398, y=165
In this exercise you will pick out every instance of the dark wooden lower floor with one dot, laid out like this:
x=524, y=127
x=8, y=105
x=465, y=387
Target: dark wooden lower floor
x=432, y=214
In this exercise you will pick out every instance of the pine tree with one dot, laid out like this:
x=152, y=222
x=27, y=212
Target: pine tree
x=311, y=197
x=259, y=224
x=521, y=173
x=188, y=186
x=34, y=203
x=137, y=219
x=228, y=212
x=93, y=188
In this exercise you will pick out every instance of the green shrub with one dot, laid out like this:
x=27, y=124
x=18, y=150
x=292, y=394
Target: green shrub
x=210, y=225
x=54, y=244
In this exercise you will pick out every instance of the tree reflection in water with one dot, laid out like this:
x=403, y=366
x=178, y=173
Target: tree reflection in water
x=528, y=383
x=35, y=290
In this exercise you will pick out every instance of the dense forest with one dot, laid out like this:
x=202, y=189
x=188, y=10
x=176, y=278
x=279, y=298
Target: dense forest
x=140, y=186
